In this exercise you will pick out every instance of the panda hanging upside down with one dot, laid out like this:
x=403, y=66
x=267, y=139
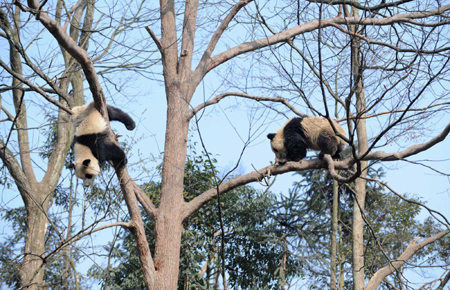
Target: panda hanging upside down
x=290, y=142
x=92, y=144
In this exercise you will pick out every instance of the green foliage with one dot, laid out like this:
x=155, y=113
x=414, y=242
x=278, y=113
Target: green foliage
x=50, y=131
x=11, y=245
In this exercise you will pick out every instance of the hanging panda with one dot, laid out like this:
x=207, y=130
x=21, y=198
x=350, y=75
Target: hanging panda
x=92, y=144
x=290, y=142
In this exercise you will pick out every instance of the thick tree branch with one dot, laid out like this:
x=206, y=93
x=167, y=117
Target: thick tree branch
x=169, y=49
x=273, y=170
x=130, y=191
x=75, y=51
x=414, y=149
x=188, y=37
x=412, y=248
x=284, y=36
x=202, y=67
x=330, y=166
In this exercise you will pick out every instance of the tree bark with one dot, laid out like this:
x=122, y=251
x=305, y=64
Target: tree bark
x=334, y=245
x=177, y=76
x=32, y=269
x=363, y=146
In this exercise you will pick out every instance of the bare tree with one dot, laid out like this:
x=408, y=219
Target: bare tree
x=50, y=74
x=364, y=38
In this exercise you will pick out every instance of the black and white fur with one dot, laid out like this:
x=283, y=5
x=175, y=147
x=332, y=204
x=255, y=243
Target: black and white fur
x=92, y=144
x=290, y=142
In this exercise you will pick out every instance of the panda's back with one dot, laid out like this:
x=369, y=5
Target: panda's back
x=316, y=126
x=88, y=121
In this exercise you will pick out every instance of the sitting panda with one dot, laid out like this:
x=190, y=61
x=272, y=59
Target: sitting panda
x=289, y=143
x=92, y=144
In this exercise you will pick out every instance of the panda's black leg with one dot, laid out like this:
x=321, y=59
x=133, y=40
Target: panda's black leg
x=295, y=145
x=119, y=115
x=327, y=145
x=338, y=155
x=114, y=153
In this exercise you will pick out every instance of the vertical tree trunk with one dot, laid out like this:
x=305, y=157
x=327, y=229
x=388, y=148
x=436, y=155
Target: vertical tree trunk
x=38, y=196
x=168, y=221
x=334, y=221
x=179, y=90
x=32, y=269
x=341, y=262
x=359, y=201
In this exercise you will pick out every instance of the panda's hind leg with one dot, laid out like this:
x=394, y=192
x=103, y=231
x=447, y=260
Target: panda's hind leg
x=328, y=145
x=116, y=114
x=338, y=155
x=114, y=153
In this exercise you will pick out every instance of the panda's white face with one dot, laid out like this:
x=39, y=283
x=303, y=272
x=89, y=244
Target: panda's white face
x=87, y=171
x=277, y=145
x=85, y=164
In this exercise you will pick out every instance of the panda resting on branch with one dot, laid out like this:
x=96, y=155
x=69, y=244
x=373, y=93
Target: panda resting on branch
x=290, y=142
x=92, y=144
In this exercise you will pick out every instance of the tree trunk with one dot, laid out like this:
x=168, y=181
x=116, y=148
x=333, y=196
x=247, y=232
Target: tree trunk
x=168, y=221
x=38, y=196
x=32, y=269
x=359, y=201
x=334, y=221
x=341, y=263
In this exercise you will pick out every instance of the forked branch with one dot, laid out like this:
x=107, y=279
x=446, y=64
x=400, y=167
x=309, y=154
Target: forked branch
x=412, y=248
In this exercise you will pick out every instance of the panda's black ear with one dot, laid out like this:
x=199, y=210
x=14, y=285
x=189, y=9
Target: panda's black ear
x=271, y=136
x=71, y=165
x=86, y=162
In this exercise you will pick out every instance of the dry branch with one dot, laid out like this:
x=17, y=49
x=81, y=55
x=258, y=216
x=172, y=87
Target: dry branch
x=412, y=248
x=35, y=88
x=218, y=98
x=211, y=63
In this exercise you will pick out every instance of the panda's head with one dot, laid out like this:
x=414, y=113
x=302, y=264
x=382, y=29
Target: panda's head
x=87, y=170
x=277, y=144
x=289, y=143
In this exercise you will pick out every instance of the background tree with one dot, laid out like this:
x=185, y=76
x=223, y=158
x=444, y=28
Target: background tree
x=34, y=67
x=381, y=64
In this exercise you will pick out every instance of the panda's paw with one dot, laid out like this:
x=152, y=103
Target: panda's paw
x=130, y=126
